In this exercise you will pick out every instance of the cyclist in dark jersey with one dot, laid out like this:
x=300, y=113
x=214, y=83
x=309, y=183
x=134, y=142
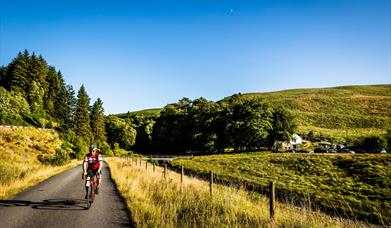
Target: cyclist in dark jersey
x=92, y=166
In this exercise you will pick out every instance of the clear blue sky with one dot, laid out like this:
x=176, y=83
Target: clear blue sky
x=145, y=54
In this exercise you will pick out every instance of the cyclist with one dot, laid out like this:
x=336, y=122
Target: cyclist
x=92, y=166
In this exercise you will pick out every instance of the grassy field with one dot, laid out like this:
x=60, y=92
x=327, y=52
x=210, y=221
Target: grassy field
x=356, y=186
x=336, y=108
x=19, y=164
x=156, y=202
x=145, y=112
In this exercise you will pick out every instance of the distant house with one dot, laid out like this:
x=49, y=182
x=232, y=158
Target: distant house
x=294, y=143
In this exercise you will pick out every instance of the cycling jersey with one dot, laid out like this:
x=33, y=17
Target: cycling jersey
x=93, y=161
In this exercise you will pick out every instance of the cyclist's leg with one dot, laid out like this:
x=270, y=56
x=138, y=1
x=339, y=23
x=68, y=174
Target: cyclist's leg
x=88, y=180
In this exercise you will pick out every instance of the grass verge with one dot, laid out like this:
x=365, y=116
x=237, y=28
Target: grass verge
x=157, y=202
x=354, y=186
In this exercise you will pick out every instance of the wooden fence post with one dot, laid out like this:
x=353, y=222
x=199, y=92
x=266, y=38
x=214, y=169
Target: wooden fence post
x=182, y=173
x=146, y=164
x=165, y=171
x=153, y=167
x=211, y=183
x=272, y=200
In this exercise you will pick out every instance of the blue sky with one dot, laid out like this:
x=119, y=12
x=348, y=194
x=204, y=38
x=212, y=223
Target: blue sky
x=145, y=54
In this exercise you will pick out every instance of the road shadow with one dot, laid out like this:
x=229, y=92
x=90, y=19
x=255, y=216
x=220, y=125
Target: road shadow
x=48, y=204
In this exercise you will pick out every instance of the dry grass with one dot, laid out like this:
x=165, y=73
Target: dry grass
x=39, y=174
x=157, y=202
x=19, y=164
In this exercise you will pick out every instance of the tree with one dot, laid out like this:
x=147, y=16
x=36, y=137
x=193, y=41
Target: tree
x=98, y=122
x=120, y=131
x=54, y=90
x=82, y=117
x=283, y=126
x=13, y=107
x=3, y=76
x=17, y=75
x=249, y=123
x=35, y=98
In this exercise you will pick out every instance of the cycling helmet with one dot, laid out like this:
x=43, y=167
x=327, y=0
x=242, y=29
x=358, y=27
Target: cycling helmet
x=93, y=148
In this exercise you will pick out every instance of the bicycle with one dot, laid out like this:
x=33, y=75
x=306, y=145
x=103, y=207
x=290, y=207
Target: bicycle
x=91, y=182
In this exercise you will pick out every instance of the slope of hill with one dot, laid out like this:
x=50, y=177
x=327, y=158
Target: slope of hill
x=336, y=112
x=336, y=108
x=20, y=153
x=144, y=112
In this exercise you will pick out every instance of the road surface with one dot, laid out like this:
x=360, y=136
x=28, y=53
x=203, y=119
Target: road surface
x=59, y=202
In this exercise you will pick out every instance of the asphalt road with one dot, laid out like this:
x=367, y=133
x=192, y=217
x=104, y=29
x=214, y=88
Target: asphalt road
x=59, y=202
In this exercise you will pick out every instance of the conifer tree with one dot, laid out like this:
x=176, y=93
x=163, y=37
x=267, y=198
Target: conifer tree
x=82, y=117
x=54, y=91
x=17, y=75
x=98, y=122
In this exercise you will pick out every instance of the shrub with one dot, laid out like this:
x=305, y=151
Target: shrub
x=60, y=158
x=373, y=142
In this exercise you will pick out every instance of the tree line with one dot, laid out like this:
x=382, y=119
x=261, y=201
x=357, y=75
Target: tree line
x=35, y=93
x=202, y=126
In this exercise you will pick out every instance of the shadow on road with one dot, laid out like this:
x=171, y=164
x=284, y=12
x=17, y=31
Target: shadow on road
x=49, y=204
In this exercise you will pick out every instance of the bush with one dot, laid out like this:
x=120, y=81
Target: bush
x=60, y=158
x=373, y=142
x=80, y=147
x=118, y=151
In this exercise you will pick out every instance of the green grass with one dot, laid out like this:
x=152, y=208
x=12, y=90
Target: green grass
x=358, y=186
x=338, y=107
x=154, y=201
x=145, y=112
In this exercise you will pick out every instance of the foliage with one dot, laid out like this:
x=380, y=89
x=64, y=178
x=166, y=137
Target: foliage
x=98, y=122
x=203, y=126
x=13, y=107
x=82, y=116
x=373, y=142
x=50, y=102
x=120, y=131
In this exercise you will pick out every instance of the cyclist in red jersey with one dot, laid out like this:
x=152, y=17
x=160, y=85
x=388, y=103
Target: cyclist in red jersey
x=92, y=166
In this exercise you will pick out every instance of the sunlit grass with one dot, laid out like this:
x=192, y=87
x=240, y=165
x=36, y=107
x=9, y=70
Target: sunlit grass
x=356, y=185
x=19, y=164
x=157, y=202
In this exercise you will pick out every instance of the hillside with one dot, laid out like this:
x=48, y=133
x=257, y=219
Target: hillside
x=22, y=158
x=337, y=112
x=144, y=112
x=336, y=108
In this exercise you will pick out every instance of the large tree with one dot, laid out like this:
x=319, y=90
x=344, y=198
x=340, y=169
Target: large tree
x=82, y=117
x=283, y=126
x=120, y=131
x=98, y=122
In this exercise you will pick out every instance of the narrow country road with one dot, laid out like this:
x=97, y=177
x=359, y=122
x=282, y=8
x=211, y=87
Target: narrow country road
x=58, y=202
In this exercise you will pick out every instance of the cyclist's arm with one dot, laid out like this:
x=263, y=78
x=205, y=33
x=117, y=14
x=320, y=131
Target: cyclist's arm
x=100, y=159
x=85, y=165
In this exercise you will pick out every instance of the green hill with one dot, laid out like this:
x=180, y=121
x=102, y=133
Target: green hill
x=336, y=108
x=336, y=112
x=144, y=112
